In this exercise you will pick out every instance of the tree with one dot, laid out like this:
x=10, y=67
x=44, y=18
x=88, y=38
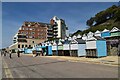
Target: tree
x=90, y=21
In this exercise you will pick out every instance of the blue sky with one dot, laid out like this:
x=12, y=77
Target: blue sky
x=75, y=15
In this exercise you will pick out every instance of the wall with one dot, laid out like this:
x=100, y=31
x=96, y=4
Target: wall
x=115, y=34
x=66, y=47
x=91, y=45
x=105, y=34
x=81, y=50
x=101, y=48
x=54, y=47
x=98, y=34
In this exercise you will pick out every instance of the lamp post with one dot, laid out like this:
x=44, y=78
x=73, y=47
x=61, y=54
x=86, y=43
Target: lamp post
x=70, y=39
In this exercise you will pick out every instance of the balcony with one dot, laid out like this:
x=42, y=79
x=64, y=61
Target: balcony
x=50, y=33
x=55, y=27
x=55, y=31
x=49, y=36
x=55, y=34
x=22, y=40
x=50, y=30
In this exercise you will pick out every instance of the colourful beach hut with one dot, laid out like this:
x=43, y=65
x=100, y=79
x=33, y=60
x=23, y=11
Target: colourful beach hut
x=96, y=47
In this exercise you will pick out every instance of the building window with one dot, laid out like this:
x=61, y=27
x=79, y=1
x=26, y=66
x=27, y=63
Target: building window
x=33, y=29
x=33, y=37
x=18, y=45
x=25, y=45
x=29, y=45
x=22, y=46
x=30, y=36
x=32, y=41
x=33, y=32
x=26, y=28
x=30, y=28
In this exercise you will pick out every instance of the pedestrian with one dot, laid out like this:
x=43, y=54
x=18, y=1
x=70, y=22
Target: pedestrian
x=34, y=54
x=18, y=53
x=4, y=53
x=1, y=52
x=10, y=54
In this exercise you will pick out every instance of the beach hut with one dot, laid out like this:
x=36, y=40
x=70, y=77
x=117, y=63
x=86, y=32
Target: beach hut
x=60, y=48
x=90, y=34
x=105, y=33
x=84, y=37
x=81, y=46
x=73, y=48
x=28, y=51
x=74, y=37
x=115, y=32
x=66, y=48
x=96, y=47
x=79, y=36
x=97, y=33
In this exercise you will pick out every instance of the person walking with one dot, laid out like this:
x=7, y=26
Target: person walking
x=18, y=53
x=10, y=54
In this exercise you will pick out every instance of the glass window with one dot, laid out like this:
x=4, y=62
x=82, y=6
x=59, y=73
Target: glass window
x=33, y=37
x=32, y=41
x=25, y=45
x=33, y=32
x=29, y=45
x=18, y=45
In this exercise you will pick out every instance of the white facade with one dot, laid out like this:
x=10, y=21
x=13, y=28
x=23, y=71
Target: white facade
x=74, y=46
x=61, y=28
x=89, y=43
x=66, y=47
x=15, y=38
x=54, y=47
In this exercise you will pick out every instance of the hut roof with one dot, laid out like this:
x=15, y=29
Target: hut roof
x=80, y=41
x=115, y=29
x=105, y=30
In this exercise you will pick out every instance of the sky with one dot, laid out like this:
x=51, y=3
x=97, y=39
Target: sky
x=75, y=15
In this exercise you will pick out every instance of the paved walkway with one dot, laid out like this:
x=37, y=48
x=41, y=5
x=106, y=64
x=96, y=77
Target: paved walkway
x=109, y=60
x=54, y=67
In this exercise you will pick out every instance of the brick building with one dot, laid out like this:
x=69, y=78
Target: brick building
x=29, y=34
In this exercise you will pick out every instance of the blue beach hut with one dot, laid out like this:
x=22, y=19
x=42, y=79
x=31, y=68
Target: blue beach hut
x=96, y=47
x=105, y=33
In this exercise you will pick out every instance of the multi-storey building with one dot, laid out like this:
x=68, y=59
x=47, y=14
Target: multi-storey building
x=58, y=29
x=29, y=34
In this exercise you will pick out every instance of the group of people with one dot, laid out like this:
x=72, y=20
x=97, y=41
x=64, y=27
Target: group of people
x=35, y=53
x=4, y=53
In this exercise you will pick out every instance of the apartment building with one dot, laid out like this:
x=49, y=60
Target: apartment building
x=58, y=29
x=29, y=34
